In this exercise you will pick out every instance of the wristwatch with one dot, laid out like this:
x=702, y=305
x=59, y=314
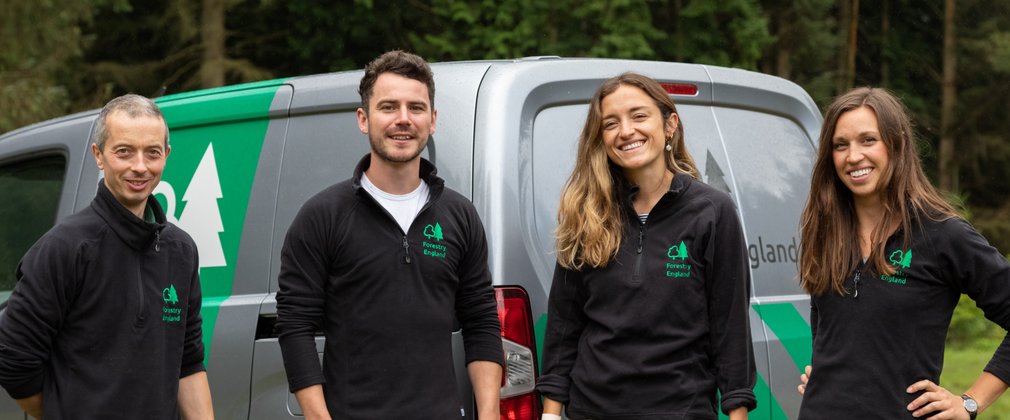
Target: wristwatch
x=970, y=405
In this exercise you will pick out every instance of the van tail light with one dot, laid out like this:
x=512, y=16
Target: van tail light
x=684, y=89
x=519, y=401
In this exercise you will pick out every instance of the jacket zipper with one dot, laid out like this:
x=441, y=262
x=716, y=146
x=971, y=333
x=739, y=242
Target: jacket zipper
x=140, y=292
x=855, y=285
x=406, y=250
x=638, y=258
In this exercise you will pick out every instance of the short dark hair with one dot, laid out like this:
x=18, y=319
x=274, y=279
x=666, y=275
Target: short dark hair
x=134, y=106
x=397, y=62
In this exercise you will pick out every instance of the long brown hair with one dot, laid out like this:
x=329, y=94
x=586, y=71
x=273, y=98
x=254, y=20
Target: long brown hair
x=829, y=239
x=590, y=218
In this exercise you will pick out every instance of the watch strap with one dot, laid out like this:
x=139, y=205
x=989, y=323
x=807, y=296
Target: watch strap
x=970, y=405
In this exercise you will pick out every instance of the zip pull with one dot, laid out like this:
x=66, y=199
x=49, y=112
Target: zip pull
x=406, y=250
x=855, y=285
x=641, y=237
x=157, y=240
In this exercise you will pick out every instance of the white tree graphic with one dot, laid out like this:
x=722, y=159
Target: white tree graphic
x=202, y=218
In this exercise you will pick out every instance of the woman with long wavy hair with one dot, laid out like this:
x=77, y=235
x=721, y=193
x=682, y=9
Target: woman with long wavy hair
x=648, y=311
x=885, y=259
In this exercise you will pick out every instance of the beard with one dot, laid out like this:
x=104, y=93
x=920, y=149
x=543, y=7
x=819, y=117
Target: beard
x=384, y=151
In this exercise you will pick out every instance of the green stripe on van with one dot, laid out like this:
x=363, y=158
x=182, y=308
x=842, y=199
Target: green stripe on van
x=539, y=331
x=790, y=328
x=215, y=137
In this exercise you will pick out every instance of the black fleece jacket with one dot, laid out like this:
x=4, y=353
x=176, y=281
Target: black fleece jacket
x=386, y=300
x=105, y=316
x=871, y=345
x=665, y=325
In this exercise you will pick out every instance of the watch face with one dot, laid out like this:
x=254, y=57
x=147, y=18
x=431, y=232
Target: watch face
x=970, y=405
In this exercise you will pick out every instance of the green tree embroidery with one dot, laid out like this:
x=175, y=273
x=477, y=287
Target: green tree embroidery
x=433, y=231
x=903, y=259
x=169, y=295
x=677, y=251
x=907, y=261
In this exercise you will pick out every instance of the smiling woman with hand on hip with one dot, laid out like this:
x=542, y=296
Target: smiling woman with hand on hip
x=648, y=311
x=885, y=260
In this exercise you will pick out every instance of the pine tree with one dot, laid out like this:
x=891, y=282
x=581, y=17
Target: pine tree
x=173, y=297
x=438, y=231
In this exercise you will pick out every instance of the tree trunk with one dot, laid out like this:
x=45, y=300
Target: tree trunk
x=845, y=18
x=850, y=61
x=212, y=36
x=784, y=52
x=885, y=29
x=679, y=32
x=948, y=166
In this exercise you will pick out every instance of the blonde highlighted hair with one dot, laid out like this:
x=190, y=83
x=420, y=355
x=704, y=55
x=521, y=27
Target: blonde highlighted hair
x=590, y=217
x=829, y=240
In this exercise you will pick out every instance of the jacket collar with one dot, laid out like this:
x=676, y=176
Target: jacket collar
x=679, y=185
x=427, y=172
x=136, y=233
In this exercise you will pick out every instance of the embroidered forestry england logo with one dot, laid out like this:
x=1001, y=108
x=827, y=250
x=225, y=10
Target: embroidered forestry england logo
x=902, y=260
x=170, y=314
x=678, y=269
x=433, y=249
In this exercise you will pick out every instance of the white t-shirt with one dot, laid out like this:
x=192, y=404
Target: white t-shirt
x=403, y=208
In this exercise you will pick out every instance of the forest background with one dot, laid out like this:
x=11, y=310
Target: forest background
x=949, y=60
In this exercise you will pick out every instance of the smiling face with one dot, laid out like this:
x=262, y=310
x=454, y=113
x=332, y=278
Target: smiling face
x=860, y=155
x=133, y=158
x=634, y=130
x=399, y=119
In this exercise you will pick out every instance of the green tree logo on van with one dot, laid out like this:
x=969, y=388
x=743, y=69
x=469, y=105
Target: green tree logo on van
x=903, y=259
x=433, y=232
x=169, y=295
x=677, y=251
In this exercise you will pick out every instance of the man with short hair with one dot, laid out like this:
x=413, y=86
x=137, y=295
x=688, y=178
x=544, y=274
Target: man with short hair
x=384, y=263
x=104, y=321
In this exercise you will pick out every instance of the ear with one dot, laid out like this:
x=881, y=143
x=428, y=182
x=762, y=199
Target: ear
x=363, y=121
x=671, y=124
x=168, y=150
x=98, y=156
x=434, y=118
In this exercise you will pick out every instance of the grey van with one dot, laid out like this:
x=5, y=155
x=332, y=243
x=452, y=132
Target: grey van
x=244, y=159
